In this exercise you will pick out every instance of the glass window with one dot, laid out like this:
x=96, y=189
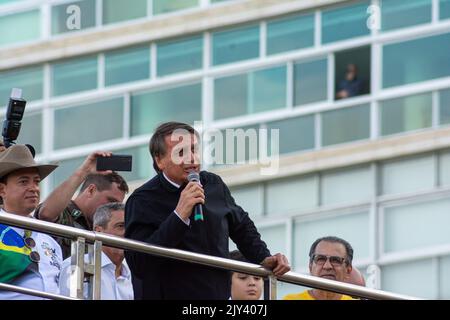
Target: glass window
x=280, y=199
x=119, y=10
x=348, y=185
x=127, y=65
x=149, y=109
x=164, y=6
x=295, y=134
x=444, y=168
x=427, y=221
x=345, y=125
x=274, y=237
x=290, y=33
x=444, y=106
x=399, y=14
x=407, y=175
x=254, y=92
x=413, y=278
x=30, y=80
x=345, y=22
x=416, y=60
x=180, y=55
x=405, y=114
x=250, y=198
x=142, y=164
x=31, y=131
x=236, y=145
x=74, y=75
x=310, y=82
x=79, y=125
x=73, y=16
x=20, y=27
x=352, y=227
x=236, y=44
x=444, y=9
x=444, y=277
x=65, y=169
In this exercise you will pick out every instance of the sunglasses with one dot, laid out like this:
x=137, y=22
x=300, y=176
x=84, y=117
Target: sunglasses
x=321, y=259
x=31, y=244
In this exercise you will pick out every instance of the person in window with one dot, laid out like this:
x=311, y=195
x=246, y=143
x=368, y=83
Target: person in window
x=351, y=85
x=244, y=286
x=329, y=258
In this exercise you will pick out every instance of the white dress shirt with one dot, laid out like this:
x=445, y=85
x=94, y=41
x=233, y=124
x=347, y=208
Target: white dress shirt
x=112, y=288
x=47, y=277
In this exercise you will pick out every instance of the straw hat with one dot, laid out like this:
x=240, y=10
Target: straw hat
x=19, y=157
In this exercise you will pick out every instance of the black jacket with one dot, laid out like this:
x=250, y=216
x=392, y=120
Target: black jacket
x=150, y=217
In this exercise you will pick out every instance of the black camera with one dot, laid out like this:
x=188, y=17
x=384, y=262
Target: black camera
x=14, y=115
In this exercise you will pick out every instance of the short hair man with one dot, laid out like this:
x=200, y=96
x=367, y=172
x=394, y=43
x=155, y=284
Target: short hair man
x=116, y=275
x=28, y=259
x=160, y=213
x=351, y=85
x=98, y=188
x=244, y=286
x=329, y=258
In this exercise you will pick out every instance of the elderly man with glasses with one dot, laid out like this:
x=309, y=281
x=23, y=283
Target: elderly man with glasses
x=329, y=258
x=28, y=259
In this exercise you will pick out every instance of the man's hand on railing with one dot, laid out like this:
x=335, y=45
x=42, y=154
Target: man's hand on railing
x=278, y=263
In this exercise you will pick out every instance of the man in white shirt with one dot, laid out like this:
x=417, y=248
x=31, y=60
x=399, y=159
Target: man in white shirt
x=28, y=259
x=116, y=276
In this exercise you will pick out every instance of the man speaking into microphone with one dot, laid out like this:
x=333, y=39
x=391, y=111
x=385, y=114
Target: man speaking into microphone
x=188, y=209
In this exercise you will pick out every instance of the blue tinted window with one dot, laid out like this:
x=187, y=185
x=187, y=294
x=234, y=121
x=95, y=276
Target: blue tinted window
x=74, y=75
x=416, y=60
x=235, y=45
x=180, y=55
x=310, y=82
x=149, y=109
x=444, y=9
x=30, y=80
x=63, y=16
x=253, y=92
x=444, y=106
x=20, y=27
x=119, y=10
x=164, y=6
x=405, y=114
x=80, y=125
x=127, y=65
x=399, y=13
x=295, y=133
x=290, y=33
x=345, y=22
x=345, y=125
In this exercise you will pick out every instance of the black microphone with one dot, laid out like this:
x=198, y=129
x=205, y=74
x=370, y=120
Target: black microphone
x=198, y=209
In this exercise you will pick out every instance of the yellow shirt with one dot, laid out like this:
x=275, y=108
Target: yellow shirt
x=305, y=295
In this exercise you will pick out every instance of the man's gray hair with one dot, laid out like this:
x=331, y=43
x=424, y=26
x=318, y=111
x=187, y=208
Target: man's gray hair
x=103, y=214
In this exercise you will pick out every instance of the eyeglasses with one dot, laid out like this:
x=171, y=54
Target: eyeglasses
x=31, y=244
x=321, y=259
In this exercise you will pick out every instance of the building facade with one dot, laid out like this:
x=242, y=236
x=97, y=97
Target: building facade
x=373, y=168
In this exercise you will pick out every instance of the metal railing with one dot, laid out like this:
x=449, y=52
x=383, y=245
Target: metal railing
x=99, y=239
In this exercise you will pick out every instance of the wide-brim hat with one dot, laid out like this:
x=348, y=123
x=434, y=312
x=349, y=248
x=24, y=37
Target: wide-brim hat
x=19, y=157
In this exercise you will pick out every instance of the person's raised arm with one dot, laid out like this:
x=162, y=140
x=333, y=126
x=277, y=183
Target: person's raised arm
x=60, y=197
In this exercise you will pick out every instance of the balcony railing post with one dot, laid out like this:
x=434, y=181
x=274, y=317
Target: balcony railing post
x=77, y=268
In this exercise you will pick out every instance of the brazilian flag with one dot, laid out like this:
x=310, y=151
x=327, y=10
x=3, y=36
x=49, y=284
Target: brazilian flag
x=14, y=255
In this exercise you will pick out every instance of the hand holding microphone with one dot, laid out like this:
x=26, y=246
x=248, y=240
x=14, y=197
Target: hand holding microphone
x=191, y=199
x=198, y=209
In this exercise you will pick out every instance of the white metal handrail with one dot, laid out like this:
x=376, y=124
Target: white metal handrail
x=223, y=263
